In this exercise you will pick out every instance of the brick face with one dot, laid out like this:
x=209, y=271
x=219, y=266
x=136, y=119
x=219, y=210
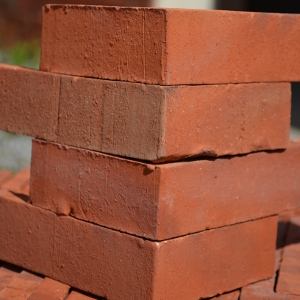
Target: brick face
x=50, y=290
x=171, y=123
x=162, y=226
x=19, y=184
x=153, y=123
x=29, y=102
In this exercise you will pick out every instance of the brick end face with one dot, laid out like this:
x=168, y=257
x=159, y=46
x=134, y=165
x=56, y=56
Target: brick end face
x=123, y=44
x=29, y=102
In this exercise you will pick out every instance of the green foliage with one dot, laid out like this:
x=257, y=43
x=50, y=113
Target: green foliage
x=23, y=53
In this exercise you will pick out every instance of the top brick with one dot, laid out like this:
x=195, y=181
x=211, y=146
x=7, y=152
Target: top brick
x=170, y=46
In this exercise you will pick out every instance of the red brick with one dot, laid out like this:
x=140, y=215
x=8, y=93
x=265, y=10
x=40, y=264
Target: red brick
x=29, y=102
x=120, y=266
x=19, y=184
x=289, y=275
x=169, y=123
x=151, y=123
x=170, y=47
x=79, y=296
x=6, y=276
x=283, y=226
x=164, y=200
x=50, y=290
x=5, y=175
x=230, y=296
x=21, y=287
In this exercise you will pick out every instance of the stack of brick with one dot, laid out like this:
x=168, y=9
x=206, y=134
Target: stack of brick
x=162, y=154
x=13, y=286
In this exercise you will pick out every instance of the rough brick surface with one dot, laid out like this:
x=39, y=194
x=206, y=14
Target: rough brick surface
x=230, y=296
x=289, y=276
x=18, y=184
x=79, y=296
x=164, y=200
x=120, y=266
x=29, y=102
x=169, y=46
x=50, y=290
x=167, y=123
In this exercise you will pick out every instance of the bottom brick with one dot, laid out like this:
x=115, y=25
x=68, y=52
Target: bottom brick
x=287, y=237
x=121, y=266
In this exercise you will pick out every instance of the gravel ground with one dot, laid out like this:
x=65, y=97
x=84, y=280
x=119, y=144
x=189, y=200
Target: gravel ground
x=295, y=133
x=15, y=151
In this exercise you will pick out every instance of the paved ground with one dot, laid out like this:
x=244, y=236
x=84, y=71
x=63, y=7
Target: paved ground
x=15, y=151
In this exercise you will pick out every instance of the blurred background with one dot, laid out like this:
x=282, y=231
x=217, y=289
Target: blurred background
x=20, y=34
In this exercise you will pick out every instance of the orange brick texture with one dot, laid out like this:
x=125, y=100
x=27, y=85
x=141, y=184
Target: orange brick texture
x=16, y=283
x=287, y=228
x=18, y=184
x=285, y=281
x=22, y=19
x=146, y=122
x=29, y=102
x=161, y=159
